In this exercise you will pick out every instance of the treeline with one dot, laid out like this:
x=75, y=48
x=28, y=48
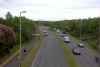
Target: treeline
x=85, y=29
x=12, y=25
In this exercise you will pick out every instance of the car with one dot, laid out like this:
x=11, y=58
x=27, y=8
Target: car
x=80, y=45
x=62, y=35
x=44, y=31
x=64, y=32
x=67, y=39
x=76, y=51
x=45, y=34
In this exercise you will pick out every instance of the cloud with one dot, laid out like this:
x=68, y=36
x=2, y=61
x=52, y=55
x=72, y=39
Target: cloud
x=52, y=9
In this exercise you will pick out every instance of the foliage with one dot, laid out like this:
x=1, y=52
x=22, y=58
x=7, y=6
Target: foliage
x=6, y=39
x=10, y=31
x=86, y=29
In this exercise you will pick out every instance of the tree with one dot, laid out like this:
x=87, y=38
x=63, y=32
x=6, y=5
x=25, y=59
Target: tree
x=10, y=32
x=6, y=39
x=9, y=18
x=2, y=21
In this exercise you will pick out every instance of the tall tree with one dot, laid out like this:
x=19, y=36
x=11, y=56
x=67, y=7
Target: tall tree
x=9, y=18
x=2, y=21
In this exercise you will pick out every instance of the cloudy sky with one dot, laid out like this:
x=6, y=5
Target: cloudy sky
x=51, y=9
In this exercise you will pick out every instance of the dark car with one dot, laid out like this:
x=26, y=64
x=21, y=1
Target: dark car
x=64, y=32
x=45, y=34
x=44, y=31
x=76, y=51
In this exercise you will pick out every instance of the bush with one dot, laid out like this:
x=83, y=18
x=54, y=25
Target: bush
x=7, y=38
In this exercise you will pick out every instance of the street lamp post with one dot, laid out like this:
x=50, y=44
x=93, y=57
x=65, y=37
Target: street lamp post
x=81, y=29
x=20, y=36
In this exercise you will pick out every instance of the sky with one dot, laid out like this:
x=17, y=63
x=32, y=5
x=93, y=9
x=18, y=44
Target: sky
x=51, y=9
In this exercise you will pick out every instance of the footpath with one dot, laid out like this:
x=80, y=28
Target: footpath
x=14, y=60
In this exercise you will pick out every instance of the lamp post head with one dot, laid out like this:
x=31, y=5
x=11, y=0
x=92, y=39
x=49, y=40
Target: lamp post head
x=23, y=12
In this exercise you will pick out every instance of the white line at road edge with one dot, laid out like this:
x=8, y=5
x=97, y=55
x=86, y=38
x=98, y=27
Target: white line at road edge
x=36, y=57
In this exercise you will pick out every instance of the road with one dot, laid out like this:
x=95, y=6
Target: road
x=50, y=53
x=87, y=57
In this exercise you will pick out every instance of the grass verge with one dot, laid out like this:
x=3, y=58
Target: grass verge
x=13, y=50
x=89, y=43
x=68, y=55
x=29, y=58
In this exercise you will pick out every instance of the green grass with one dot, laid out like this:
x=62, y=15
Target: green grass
x=89, y=43
x=28, y=60
x=68, y=55
x=13, y=50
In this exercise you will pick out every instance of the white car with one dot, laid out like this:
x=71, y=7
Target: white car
x=44, y=31
x=67, y=39
x=80, y=45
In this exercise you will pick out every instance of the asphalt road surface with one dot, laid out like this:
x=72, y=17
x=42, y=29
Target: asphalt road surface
x=50, y=53
x=87, y=57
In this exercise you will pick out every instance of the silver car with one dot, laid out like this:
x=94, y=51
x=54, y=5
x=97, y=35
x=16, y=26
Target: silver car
x=80, y=45
x=76, y=51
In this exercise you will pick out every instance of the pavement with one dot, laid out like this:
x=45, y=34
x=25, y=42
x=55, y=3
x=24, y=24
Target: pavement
x=87, y=57
x=14, y=61
x=50, y=53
